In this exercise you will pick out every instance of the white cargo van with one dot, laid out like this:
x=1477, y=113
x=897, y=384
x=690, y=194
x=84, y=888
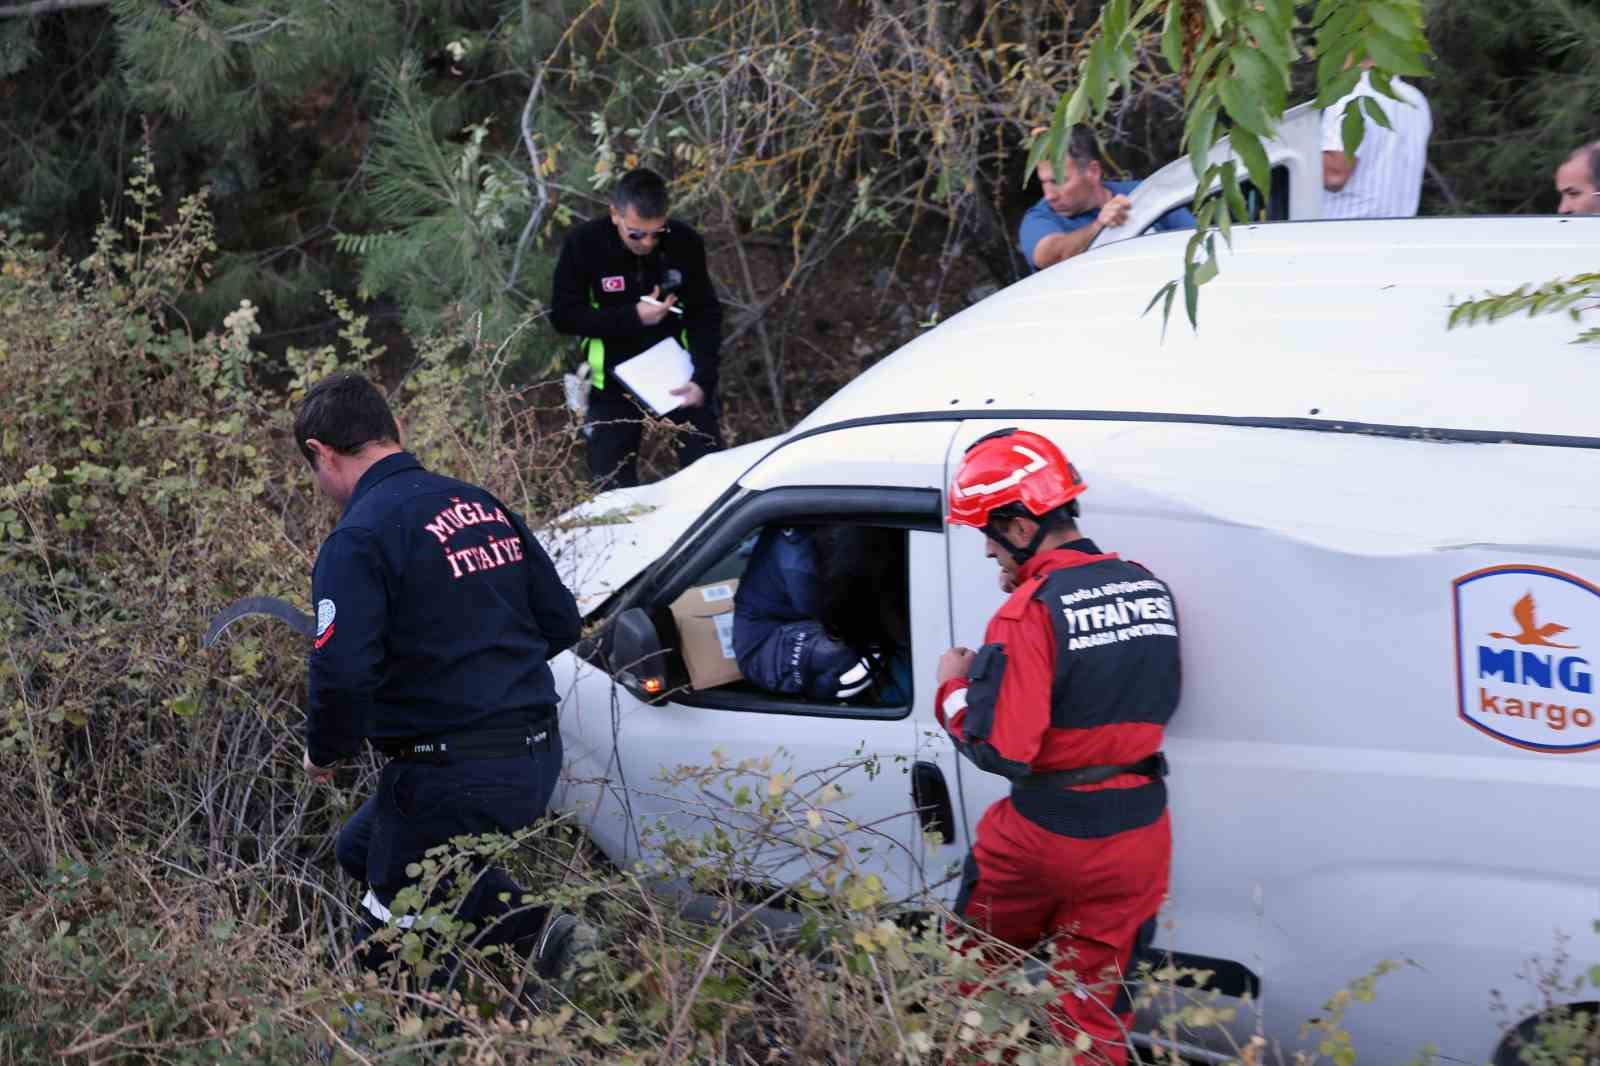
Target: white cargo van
x=1385, y=541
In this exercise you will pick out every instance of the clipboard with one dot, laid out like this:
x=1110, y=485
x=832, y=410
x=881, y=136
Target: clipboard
x=654, y=372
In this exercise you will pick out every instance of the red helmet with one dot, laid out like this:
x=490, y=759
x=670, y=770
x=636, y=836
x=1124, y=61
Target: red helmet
x=1011, y=466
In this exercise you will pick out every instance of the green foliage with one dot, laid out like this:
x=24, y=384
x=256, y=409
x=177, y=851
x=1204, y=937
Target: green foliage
x=453, y=209
x=1571, y=296
x=224, y=70
x=425, y=157
x=1517, y=88
x=1236, y=59
x=67, y=131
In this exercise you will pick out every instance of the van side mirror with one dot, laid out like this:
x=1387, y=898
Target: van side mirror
x=635, y=656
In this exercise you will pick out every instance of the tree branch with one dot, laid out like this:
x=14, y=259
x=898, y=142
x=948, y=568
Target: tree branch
x=536, y=168
x=44, y=7
x=535, y=176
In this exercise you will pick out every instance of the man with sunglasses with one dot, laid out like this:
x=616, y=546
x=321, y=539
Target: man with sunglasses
x=623, y=284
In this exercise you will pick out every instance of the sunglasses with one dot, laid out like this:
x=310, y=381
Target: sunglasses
x=646, y=234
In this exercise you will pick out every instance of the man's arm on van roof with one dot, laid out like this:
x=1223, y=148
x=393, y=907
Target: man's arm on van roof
x=1062, y=246
x=1001, y=727
x=1046, y=238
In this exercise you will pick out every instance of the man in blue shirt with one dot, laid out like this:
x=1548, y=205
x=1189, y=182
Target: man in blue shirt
x=437, y=611
x=1079, y=204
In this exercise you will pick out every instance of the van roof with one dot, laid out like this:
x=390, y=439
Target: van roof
x=1314, y=325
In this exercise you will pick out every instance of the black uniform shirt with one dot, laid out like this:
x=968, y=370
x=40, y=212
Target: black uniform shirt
x=436, y=613
x=598, y=282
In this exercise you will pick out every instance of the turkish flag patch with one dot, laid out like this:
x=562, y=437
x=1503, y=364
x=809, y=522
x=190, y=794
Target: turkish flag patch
x=616, y=283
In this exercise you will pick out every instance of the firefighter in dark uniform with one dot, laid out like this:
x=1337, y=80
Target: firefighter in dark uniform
x=1068, y=698
x=623, y=284
x=436, y=611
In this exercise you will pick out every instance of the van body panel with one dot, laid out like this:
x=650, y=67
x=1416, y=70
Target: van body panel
x=1330, y=322
x=1332, y=806
x=1296, y=147
x=1389, y=633
x=891, y=454
x=605, y=543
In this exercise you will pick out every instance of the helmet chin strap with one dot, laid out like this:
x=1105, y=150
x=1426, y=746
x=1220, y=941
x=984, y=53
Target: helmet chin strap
x=1024, y=553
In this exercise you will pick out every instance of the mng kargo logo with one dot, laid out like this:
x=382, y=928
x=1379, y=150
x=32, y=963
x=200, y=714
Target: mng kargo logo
x=1524, y=640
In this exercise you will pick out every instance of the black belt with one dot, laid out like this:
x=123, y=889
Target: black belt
x=1155, y=767
x=483, y=744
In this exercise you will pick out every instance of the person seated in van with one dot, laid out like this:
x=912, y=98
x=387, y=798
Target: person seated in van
x=864, y=601
x=1078, y=203
x=778, y=637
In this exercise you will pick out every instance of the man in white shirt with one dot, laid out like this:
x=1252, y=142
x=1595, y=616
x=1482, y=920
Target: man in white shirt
x=1384, y=178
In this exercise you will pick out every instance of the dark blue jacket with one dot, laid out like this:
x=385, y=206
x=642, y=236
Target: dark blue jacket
x=779, y=586
x=436, y=613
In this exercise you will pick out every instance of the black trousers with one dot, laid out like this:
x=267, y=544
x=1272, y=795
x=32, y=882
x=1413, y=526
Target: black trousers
x=420, y=805
x=616, y=424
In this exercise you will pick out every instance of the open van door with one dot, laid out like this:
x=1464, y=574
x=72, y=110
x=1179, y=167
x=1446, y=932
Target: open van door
x=1295, y=155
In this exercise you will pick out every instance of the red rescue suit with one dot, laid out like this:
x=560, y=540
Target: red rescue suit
x=1079, y=669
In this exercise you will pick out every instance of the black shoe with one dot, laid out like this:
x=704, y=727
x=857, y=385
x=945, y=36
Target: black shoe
x=565, y=937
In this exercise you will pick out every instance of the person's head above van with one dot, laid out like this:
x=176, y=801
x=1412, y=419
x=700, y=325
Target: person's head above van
x=1078, y=203
x=1078, y=187
x=1578, y=182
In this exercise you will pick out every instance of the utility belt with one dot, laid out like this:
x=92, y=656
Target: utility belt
x=1155, y=766
x=480, y=744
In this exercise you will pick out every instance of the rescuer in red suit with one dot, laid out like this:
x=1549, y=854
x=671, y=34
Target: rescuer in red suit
x=1068, y=698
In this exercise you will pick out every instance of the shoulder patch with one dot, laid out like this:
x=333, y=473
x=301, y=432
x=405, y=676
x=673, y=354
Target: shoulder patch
x=325, y=613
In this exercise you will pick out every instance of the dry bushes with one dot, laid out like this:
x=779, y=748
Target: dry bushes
x=169, y=893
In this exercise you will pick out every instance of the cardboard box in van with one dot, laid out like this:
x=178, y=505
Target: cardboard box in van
x=704, y=615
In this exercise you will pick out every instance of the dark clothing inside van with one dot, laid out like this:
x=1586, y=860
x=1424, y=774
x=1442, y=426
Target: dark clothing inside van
x=779, y=641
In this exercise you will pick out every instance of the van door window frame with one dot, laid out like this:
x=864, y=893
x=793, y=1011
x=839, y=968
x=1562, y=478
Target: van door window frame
x=889, y=507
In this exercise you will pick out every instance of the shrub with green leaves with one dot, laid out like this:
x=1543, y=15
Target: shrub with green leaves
x=169, y=892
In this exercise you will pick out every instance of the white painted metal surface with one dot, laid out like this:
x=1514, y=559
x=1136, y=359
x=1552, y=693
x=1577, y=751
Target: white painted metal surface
x=1297, y=148
x=1350, y=780
x=1332, y=806
x=602, y=545
x=1337, y=321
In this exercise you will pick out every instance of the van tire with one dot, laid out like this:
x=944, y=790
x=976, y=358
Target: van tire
x=1508, y=1051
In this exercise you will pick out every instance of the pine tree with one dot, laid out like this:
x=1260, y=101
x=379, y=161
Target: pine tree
x=1516, y=89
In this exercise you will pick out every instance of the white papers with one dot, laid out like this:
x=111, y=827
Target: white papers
x=575, y=387
x=654, y=372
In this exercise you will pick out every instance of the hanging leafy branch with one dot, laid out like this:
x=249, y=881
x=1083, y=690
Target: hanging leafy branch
x=1235, y=58
x=1573, y=295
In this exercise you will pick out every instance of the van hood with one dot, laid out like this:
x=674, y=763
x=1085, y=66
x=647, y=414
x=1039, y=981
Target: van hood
x=600, y=546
